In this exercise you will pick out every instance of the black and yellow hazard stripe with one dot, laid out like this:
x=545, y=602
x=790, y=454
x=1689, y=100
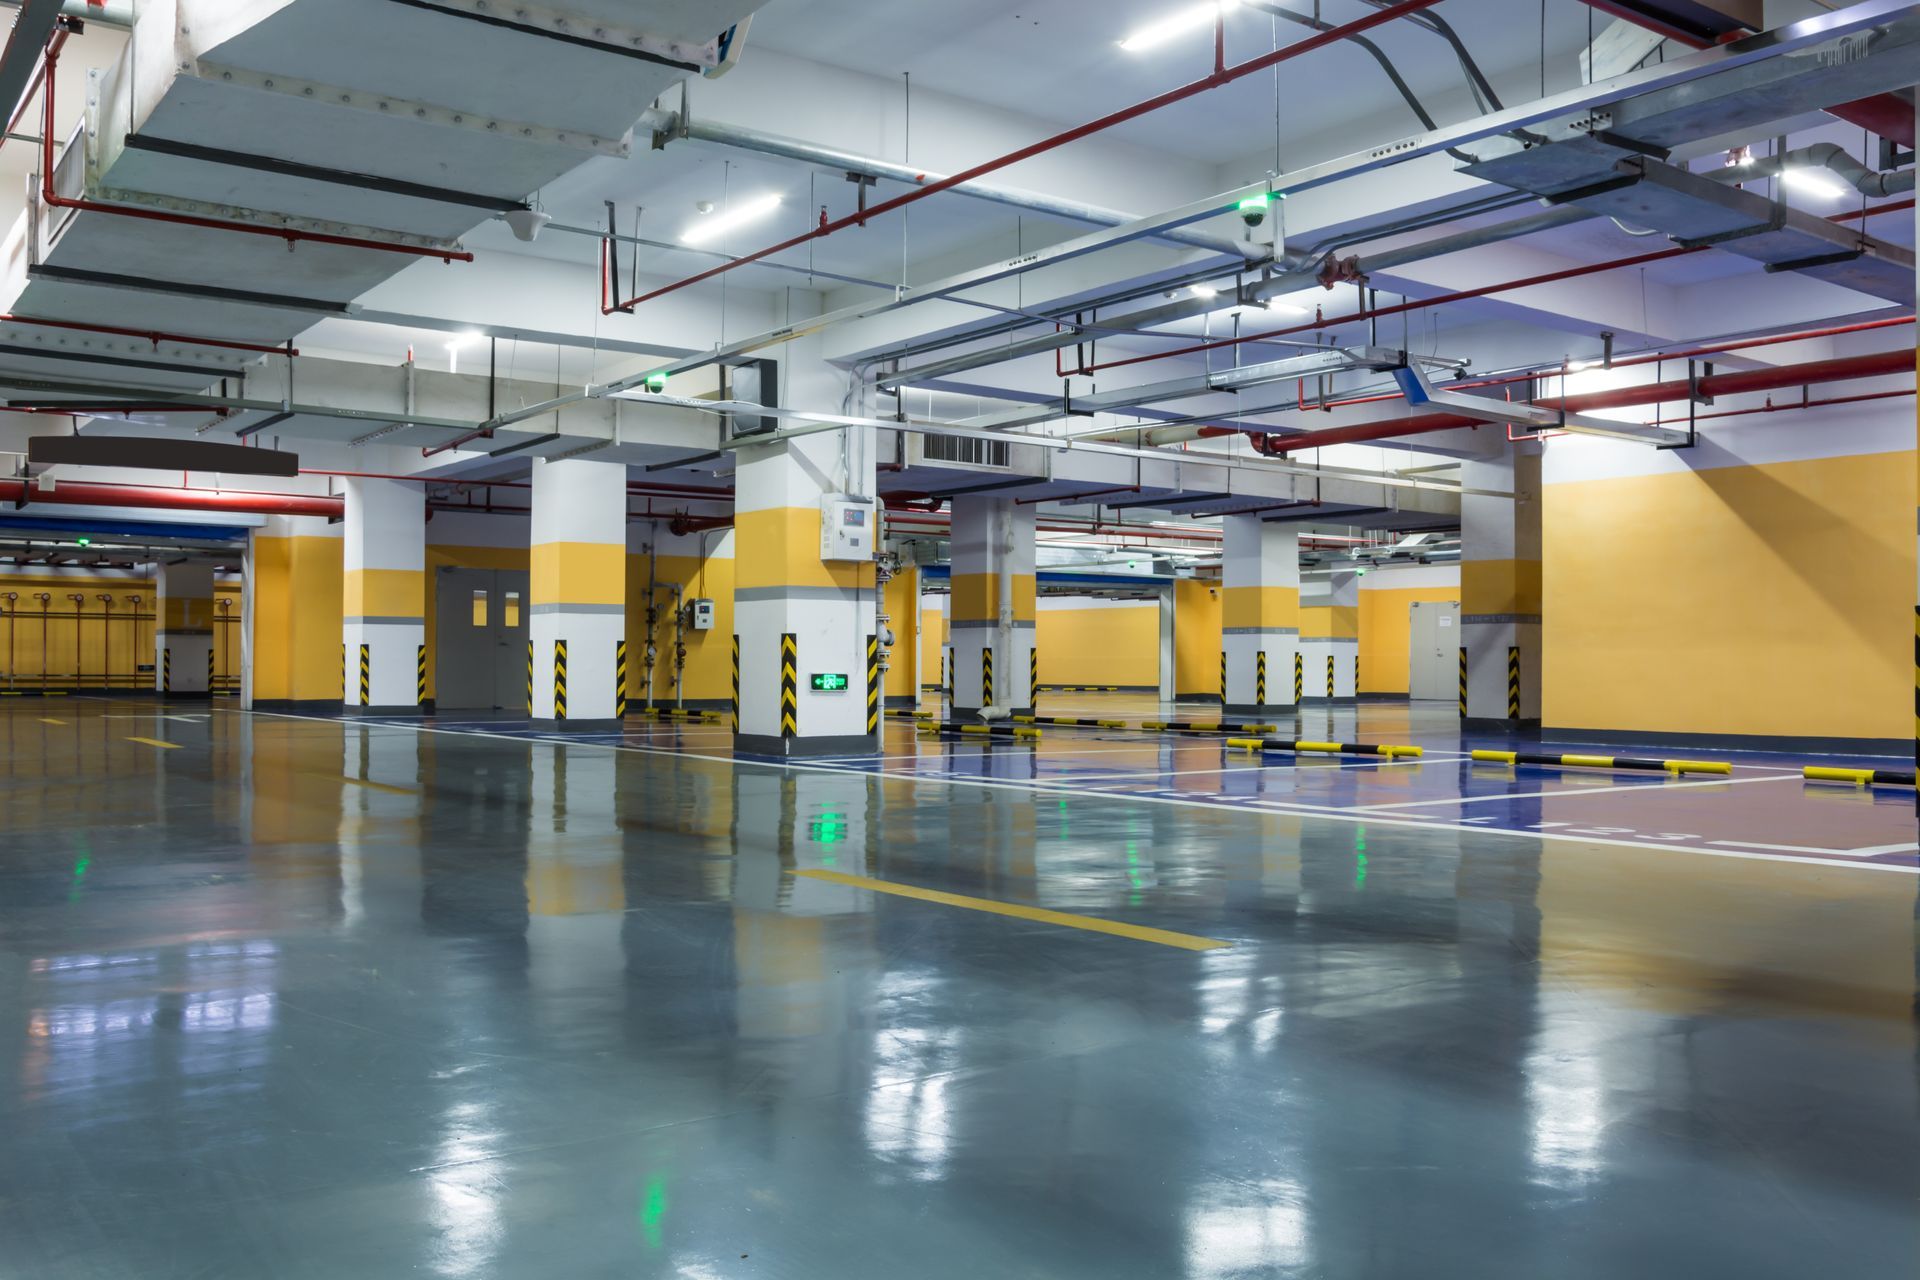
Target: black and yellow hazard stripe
x=1329, y=675
x=1916, y=686
x=1463, y=682
x=420, y=675
x=1513, y=682
x=946, y=675
x=1388, y=749
x=735, y=708
x=789, y=684
x=1079, y=722
x=1019, y=731
x=343, y=672
x=1299, y=678
x=1553, y=761
x=166, y=669
x=1223, y=677
x=619, y=679
x=1259, y=678
x=873, y=684
x=1033, y=674
x=1356, y=672
x=529, y=677
x=366, y=675
x=559, y=679
x=210, y=680
x=986, y=676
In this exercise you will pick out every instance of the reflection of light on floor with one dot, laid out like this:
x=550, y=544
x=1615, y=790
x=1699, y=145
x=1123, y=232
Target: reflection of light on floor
x=1567, y=1096
x=1248, y=1239
x=907, y=1115
x=466, y=1193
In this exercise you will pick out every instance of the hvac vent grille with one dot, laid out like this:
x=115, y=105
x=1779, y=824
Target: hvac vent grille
x=967, y=449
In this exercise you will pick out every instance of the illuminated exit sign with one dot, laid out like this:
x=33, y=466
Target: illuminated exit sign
x=829, y=682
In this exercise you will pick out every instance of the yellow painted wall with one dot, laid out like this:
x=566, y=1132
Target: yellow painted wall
x=1100, y=646
x=88, y=651
x=1386, y=639
x=1744, y=600
x=708, y=675
x=1197, y=610
x=299, y=597
x=901, y=603
x=933, y=639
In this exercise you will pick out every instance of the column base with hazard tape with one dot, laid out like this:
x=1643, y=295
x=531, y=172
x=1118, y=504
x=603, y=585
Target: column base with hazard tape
x=577, y=593
x=383, y=601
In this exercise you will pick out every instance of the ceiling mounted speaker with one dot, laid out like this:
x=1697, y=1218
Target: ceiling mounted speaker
x=526, y=223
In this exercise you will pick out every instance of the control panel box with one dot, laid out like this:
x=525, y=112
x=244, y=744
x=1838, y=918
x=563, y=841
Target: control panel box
x=702, y=615
x=849, y=527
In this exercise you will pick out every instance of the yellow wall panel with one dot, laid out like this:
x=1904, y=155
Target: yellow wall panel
x=1386, y=639
x=1500, y=586
x=384, y=593
x=1766, y=600
x=780, y=546
x=99, y=648
x=901, y=603
x=1197, y=612
x=708, y=674
x=933, y=639
x=1100, y=646
x=976, y=597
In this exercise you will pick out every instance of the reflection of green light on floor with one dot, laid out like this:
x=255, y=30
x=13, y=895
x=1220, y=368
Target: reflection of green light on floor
x=1134, y=875
x=1359, y=857
x=653, y=1208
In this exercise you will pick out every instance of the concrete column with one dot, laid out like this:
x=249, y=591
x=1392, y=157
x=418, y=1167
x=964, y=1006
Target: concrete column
x=993, y=605
x=577, y=594
x=383, y=625
x=785, y=592
x=290, y=659
x=183, y=631
x=1500, y=592
x=1330, y=639
x=1260, y=616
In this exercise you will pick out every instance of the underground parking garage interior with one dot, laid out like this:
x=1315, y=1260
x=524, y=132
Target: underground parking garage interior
x=790, y=638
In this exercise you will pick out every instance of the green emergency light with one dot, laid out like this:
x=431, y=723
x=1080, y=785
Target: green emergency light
x=829, y=681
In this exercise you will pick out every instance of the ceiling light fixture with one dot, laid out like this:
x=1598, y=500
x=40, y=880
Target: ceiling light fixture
x=1205, y=291
x=737, y=216
x=1189, y=19
x=1813, y=183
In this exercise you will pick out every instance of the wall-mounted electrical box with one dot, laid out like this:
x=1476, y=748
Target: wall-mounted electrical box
x=702, y=615
x=848, y=527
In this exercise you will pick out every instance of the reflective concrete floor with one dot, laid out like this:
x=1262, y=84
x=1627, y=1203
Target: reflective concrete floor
x=297, y=998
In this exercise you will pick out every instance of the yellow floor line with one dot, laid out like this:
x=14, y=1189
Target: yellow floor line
x=1092, y=924
x=382, y=786
x=50, y=720
x=155, y=742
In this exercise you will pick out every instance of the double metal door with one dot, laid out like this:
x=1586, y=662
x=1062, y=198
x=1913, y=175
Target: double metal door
x=1433, y=651
x=480, y=640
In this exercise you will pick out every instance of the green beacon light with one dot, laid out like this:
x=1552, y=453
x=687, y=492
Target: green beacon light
x=656, y=382
x=1253, y=210
x=83, y=541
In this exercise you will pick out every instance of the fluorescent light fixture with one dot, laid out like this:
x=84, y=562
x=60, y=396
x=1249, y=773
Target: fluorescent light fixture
x=1580, y=366
x=1286, y=309
x=1205, y=291
x=739, y=215
x=1813, y=183
x=1191, y=18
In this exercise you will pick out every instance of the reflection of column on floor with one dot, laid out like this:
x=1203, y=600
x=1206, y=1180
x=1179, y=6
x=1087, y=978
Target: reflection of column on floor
x=1500, y=590
x=801, y=947
x=797, y=615
x=383, y=595
x=576, y=895
x=183, y=630
x=1260, y=617
x=378, y=830
x=993, y=604
x=1330, y=637
x=577, y=593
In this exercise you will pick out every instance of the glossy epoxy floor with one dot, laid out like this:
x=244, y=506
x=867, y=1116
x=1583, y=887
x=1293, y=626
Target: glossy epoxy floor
x=308, y=999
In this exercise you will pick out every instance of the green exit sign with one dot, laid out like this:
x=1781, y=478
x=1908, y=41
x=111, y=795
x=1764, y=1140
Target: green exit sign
x=829, y=682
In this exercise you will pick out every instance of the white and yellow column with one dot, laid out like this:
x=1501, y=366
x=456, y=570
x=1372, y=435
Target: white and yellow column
x=383, y=624
x=804, y=625
x=1500, y=637
x=1260, y=617
x=1330, y=640
x=577, y=593
x=183, y=632
x=993, y=605
x=290, y=660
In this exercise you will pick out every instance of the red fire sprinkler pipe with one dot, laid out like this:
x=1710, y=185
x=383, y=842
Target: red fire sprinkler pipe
x=1878, y=365
x=248, y=502
x=1221, y=75
x=289, y=234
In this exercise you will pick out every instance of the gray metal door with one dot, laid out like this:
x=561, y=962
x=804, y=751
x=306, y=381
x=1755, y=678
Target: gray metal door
x=1434, y=650
x=480, y=639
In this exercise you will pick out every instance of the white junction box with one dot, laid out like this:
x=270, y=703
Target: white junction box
x=848, y=527
x=702, y=615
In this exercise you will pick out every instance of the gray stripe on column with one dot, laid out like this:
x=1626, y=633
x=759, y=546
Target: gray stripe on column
x=577, y=608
